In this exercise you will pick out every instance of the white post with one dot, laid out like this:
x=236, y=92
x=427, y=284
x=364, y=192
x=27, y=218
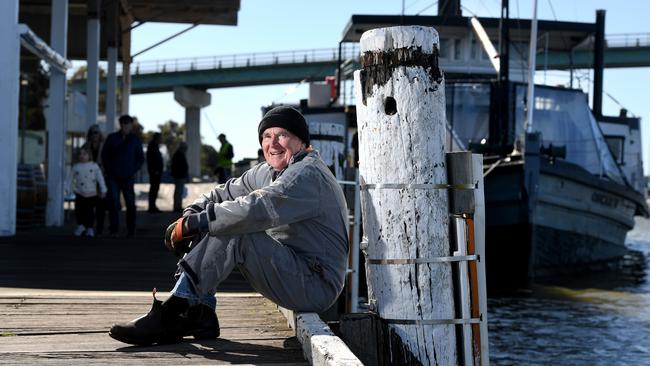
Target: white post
x=92, y=49
x=111, y=88
x=56, y=121
x=479, y=240
x=9, y=85
x=401, y=119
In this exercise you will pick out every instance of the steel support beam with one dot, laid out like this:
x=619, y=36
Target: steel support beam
x=56, y=122
x=10, y=66
x=92, y=68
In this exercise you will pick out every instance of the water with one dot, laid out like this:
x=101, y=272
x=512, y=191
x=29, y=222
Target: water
x=601, y=319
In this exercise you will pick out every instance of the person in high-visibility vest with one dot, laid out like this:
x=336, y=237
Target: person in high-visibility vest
x=224, y=160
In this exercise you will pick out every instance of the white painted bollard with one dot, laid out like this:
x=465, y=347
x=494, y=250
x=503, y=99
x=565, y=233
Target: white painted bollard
x=401, y=120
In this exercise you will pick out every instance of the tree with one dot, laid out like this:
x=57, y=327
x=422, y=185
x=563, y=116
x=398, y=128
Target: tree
x=208, y=159
x=35, y=93
x=172, y=134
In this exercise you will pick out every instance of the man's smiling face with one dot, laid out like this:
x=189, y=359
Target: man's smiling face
x=279, y=145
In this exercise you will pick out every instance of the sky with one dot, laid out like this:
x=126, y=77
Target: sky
x=265, y=26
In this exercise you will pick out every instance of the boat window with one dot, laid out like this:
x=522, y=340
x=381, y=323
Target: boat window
x=477, y=52
x=563, y=118
x=468, y=112
x=616, y=144
x=444, y=48
x=458, y=49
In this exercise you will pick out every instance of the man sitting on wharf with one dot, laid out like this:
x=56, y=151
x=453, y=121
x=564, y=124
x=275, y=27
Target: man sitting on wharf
x=283, y=223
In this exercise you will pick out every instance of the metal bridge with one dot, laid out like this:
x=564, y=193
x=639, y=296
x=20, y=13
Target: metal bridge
x=250, y=69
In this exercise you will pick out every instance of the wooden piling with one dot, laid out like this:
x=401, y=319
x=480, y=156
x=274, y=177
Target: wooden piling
x=401, y=120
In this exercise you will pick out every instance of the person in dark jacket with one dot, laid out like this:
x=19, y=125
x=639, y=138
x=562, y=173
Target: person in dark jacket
x=283, y=223
x=155, y=169
x=122, y=157
x=180, y=173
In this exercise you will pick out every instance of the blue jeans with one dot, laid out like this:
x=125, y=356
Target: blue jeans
x=183, y=288
x=125, y=185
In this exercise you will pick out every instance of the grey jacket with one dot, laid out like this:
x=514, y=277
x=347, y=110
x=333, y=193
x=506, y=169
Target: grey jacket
x=302, y=207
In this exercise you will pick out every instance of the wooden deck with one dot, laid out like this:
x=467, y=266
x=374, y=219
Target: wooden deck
x=59, y=295
x=60, y=327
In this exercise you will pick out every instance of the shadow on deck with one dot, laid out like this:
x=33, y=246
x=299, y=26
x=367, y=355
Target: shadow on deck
x=53, y=258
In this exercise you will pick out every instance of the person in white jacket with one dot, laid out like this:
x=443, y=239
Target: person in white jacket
x=86, y=181
x=283, y=223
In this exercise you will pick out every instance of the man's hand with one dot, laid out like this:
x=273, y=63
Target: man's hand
x=174, y=238
x=179, y=234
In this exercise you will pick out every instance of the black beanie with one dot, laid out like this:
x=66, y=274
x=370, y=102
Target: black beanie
x=287, y=118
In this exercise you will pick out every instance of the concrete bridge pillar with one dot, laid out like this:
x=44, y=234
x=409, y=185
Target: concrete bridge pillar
x=193, y=100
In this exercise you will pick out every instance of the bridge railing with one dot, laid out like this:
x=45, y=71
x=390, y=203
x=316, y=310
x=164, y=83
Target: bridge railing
x=242, y=60
x=628, y=40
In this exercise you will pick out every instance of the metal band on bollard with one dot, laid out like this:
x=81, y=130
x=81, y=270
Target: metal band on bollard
x=456, y=258
x=416, y=186
x=433, y=321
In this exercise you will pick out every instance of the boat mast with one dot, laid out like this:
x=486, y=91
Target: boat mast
x=500, y=127
x=530, y=99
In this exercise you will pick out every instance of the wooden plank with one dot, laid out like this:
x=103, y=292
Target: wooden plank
x=63, y=328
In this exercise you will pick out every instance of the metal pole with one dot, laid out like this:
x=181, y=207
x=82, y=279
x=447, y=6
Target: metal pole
x=92, y=47
x=164, y=40
x=9, y=86
x=56, y=122
x=354, y=288
x=23, y=119
x=599, y=57
x=111, y=89
x=530, y=95
x=338, y=75
x=460, y=229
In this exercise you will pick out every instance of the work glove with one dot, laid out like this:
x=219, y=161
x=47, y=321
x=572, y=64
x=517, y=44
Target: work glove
x=183, y=232
x=174, y=239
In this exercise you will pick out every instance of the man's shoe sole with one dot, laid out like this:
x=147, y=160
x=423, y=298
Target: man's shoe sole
x=145, y=342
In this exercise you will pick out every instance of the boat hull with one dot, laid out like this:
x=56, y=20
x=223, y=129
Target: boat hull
x=575, y=223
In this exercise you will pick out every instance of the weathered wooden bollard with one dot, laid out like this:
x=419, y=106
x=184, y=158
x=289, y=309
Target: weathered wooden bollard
x=401, y=120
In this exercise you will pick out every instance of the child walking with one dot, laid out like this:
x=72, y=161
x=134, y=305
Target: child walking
x=85, y=180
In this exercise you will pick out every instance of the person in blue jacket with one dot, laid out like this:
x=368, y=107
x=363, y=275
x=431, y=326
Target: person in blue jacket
x=122, y=157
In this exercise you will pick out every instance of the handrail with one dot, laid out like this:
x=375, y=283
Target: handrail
x=349, y=51
x=241, y=60
x=628, y=40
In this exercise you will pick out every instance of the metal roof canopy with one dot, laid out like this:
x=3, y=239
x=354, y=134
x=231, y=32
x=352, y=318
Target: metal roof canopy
x=36, y=14
x=563, y=36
